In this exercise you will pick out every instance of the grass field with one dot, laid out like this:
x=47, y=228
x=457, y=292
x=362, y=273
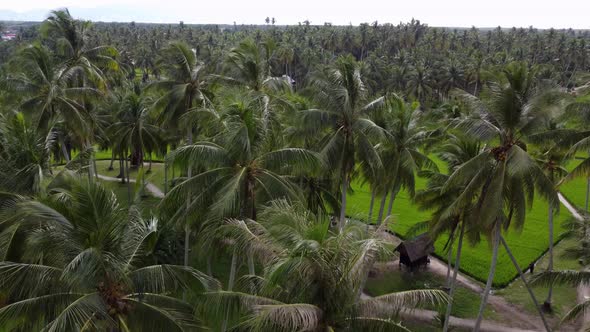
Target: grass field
x=575, y=190
x=466, y=301
x=564, y=297
x=528, y=245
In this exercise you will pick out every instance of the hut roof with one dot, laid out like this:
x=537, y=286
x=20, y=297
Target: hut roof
x=417, y=247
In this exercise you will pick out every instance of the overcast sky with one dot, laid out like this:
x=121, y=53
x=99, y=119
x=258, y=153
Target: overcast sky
x=454, y=13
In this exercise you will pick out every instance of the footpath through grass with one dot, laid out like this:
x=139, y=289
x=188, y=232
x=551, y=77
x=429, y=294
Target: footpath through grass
x=528, y=245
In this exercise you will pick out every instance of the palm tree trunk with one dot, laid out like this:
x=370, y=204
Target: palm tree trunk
x=488, y=288
x=143, y=191
x=454, y=280
x=90, y=162
x=230, y=284
x=64, y=150
x=373, y=193
x=232, y=270
x=209, y=266
x=526, y=284
x=186, y=243
x=449, y=263
x=394, y=192
x=165, y=177
x=89, y=169
x=128, y=179
x=111, y=167
x=251, y=267
x=381, y=209
x=547, y=304
x=121, y=169
x=188, y=203
x=342, y=218
x=95, y=168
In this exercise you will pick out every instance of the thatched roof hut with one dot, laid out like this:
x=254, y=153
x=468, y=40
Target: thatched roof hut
x=415, y=252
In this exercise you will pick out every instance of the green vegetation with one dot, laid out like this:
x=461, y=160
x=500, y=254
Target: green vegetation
x=390, y=281
x=564, y=294
x=531, y=242
x=275, y=147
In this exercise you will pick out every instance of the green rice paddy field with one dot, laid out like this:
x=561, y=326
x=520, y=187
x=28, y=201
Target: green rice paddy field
x=528, y=245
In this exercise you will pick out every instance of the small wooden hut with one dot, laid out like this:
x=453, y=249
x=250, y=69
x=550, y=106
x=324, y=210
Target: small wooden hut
x=414, y=253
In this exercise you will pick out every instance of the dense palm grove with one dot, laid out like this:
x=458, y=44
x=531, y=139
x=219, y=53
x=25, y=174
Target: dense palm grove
x=262, y=130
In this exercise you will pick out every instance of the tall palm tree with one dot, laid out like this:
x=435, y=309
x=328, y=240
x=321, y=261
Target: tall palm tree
x=552, y=158
x=81, y=265
x=186, y=96
x=578, y=230
x=239, y=171
x=455, y=152
x=343, y=118
x=405, y=135
x=83, y=64
x=25, y=155
x=505, y=177
x=318, y=188
x=421, y=83
x=249, y=65
x=313, y=277
x=134, y=130
x=185, y=88
x=46, y=96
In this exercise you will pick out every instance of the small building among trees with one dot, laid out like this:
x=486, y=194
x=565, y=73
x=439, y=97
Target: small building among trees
x=414, y=253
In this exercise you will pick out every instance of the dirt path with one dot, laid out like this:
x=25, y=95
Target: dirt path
x=155, y=191
x=461, y=323
x=429, y=316
x=512, y=315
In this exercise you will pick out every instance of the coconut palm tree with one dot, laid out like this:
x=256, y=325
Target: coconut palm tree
x=421, y=83
x=400, y=151
x=552, y=158
x=343, y=117
x=239, y=170
x=134, y=130
x=84, y=63
x=505, y=176
x=46, y=96
x=578, y=230
x=456, y=224
x=25, y=155
x=185, y=89
x=318, y=188
x=249, y=65
x=80, y=264
x=312, y=279
x=185, y=97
